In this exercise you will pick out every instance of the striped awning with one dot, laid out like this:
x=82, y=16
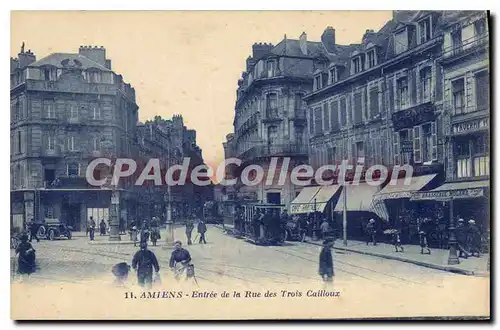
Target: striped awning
x=403, y=188
x=360, y=198
x=304, y=202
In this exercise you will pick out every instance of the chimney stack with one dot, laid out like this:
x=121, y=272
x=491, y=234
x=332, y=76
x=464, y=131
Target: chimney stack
x=96, y=54
x=328, y=39
x=260, y=50
x=303, y=43
x=26, y=58
x=250, y=63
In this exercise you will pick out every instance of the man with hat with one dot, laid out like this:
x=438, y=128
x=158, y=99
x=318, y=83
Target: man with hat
x=371, y=232
x=326, y=262
x=425, y=227
x=144, y=261
x=461, y=235
x=120, y=271
x=179, y=259
x=26, y=256
x=474, y=238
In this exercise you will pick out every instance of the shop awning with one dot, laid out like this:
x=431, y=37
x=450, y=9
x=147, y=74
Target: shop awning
x=323, y=196
x=453, y=190
x=301, y=203
x=399, y=188
x=360, y=198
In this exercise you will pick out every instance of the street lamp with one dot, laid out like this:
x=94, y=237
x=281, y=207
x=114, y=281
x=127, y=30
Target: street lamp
x=169, y=226
x=114, y=225
x=452, y=241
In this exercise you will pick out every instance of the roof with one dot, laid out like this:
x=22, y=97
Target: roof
x=291, y=47
x=56, y=60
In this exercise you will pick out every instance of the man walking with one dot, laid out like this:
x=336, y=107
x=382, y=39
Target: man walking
x=91, y=227
x=33, y=228
x=144, y=261
x=326, y=262
x=474, y=238
x=189, y=230
x=202, y=229
x=325, y=229
x=371, y=232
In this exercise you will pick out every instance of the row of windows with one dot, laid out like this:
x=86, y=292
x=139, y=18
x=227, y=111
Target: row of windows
x=472, y=156
x=73, y=110
x=479, y=88
x=71, y=143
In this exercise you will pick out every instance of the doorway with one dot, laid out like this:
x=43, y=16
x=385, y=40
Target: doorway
x=274, y=198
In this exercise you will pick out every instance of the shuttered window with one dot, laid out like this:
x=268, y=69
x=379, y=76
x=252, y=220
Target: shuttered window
x=374, y=106
x=334, y=115
x=343, y=112
x=326, y=117
x=318, y=121
x=357, y=109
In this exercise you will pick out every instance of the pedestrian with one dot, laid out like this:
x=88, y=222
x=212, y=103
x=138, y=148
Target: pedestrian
x=102, y=228
x=325, y=228
x=461, y=236
x=91, y=227
x=371, y=232
x=179, y=260
x=155, y=231
x=424, y=230
x=144, y=235
x=144, y=261
x=202, y=229
x=326, y=262
x=189, y=230
x=26, y=257
x=121, y=272
x=33, y=229
x=122, y=225
x=474, y=238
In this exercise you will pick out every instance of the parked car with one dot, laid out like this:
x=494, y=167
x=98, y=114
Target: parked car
x=53, y=229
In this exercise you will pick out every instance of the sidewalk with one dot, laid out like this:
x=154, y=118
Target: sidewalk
x=438, y=259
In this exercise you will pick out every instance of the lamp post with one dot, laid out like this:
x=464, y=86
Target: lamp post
x=169, y=225
x=344, y=215
x=114, y=225
x=452, y=256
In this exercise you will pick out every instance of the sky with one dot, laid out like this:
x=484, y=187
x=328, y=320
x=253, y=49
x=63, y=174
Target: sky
x=184, y=63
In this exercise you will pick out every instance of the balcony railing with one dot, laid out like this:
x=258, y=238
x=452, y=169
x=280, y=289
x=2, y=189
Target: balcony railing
x=466, y=45
x=274, y=150
x=55, y=152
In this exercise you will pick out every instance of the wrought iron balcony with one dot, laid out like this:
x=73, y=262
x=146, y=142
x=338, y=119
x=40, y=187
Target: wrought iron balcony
x=274, y=150
x=465, y=47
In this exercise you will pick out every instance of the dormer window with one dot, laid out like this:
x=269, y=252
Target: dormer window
x=333, y=75
x=357, y=64
x=93, y=76
x=317, y=82
x=424, y=30
x=371, y=58
x=480, y=27
x=401, y=41
x=48, y=74
x=271, y=68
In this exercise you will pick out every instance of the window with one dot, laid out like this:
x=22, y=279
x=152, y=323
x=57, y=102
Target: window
x=480, y=27
x=272, y=105
x=402, y=92
x=424, y=30
x=482, y=90
x=272, y=134
x=317, y=82
x=18, y=110
x=97, y=144
x=326, y=117
x=19, y=141
x=425, y=84
x=46, y=73
x=94, y=77
x=71, y=143
x=271, y=68
x=374, y=106
x=73, y=169
x=73, y=110
x=463, y=161
x=49, y=110
x=330, y=155
x=334, y=115
x=298, y=101
x=426, y=143
x=359, y=151
x=372, y=59
x=48, y=211
x=357, y=64
x=481, y=158
x=318, y=123
x=333, y=75
x=311, y=121
x=406, y=145
x=96, y=111
x=51, y=141
x=458, y=93
x=456, y=40
x=400, y=41
x=343, y=112
x=357, y=109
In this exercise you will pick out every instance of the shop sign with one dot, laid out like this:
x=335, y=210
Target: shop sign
x=471, y=126
x=448, y=194
x=413, y=116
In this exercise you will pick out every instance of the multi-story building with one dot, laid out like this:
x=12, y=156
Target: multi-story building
x=465, y=64
x=67, y=109
x=270, y=118
x=382, y=104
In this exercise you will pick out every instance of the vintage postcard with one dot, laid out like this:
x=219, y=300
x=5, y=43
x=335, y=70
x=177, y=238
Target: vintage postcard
x=233, y=165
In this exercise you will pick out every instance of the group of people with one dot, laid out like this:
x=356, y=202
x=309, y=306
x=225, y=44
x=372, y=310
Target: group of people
x=469, y=238
x=201, y=227
x=146, y=264
x=145, y=231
